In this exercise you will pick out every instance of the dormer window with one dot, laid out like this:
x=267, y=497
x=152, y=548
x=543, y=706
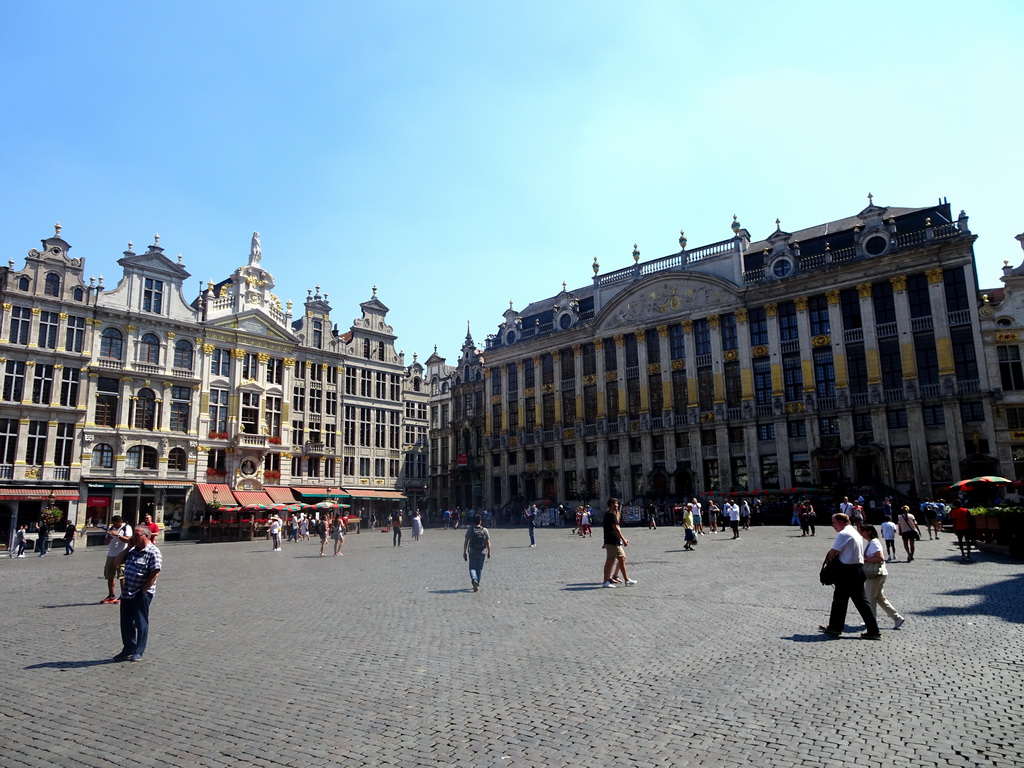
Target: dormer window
x=153, y=295
x=318, y=334
x=52, y=285
x=782, y=268
x=380, y=350
x=78, y=294
x=23, y=284
x=366, y=348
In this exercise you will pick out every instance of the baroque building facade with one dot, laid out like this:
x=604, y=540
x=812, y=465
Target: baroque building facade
x=135, y=400
x=845, y=356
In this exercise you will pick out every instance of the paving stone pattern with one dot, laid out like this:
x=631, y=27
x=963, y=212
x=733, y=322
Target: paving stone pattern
x=386, y=657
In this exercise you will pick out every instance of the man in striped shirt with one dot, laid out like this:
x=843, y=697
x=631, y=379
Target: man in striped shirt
x=142, y=564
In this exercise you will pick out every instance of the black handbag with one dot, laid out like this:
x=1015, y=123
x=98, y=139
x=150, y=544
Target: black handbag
x=830, y=572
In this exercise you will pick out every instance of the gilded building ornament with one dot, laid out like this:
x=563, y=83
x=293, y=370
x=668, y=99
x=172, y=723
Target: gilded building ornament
x=598, y=343
x=36, y=311
x=512, y=442
x=131, y=328
x=771, y=310
x=800, y=302
x=678, y=365
x=7, y=306
x=795, y=408
x=821, y=341
x=864, y=290
x=529, y=392
x=899, y=283
x=208, y=348
x=663, y=331
x=547, y=389
x=64, y=316
x=759, y=351
x=589, y=380
x=1006, y=336
x=171, y=334
x=263, y=357
x=741, y=315
x=611, y=376
x=832, y=296
x=495, y=399
x=731, y=355
x=289, y=362
x=654, y=368
x=620, y=339
x=238, y=354
x=687, y=326
x=713, y=321
x=707, y=416
x=934, y=276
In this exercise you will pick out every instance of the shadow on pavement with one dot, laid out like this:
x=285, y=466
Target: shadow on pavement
x=71, y=664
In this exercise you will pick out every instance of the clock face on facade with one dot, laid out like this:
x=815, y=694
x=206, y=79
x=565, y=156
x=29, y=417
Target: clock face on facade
x=248, y=467
x=782, y=268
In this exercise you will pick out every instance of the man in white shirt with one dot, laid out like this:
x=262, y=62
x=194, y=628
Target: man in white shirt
x=119, y=533
x=848, y=548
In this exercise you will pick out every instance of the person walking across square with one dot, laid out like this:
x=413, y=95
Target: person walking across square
x=475, y=547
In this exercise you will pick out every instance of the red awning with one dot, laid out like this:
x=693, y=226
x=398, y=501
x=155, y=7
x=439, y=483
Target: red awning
x=280, y=494
x=368, y=493
x=224, y=495
x=253, y=497
x=35, y=493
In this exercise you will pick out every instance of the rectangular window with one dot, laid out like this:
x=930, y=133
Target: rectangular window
x=796, y=429
x=1015, y=418
x=828, y=425
x=298, y=432
x=273, y=416
x=955, y=285
x=531, y=413
x=251, y=413
x=934, y=415
x=705, y=388
x=74, y=336
x=8, y=441
x=757, y=321
x=528, y=374
x=350, y=381
x=35, y=448
x=730, y=333
x=219, y=411
x=769, y=471
x=792, y=376
x=701, y=337
x=366, y=383
x=824, y=373
x=972, y=411
x=633, y=398
x=849, y=305
x=64, y=447
x=964, y=360
x=14, y=381
x=275, y=371
x=220, y=362
x=316, y=372
x=181, y=409
x=917, y=296
x=679, y=391
x=49, y=324
x=611, y=355
x=762, y=370
x=380, y=381
x=349, y=431
x=153, y=295
x=862, y=424
x=927, y=358
x=897, y=418
x=299, y=398
x=1011, y=372
x=21, y=322
x=789, y=330
x=891, y=363
x=817, y=313
x=857, y=368
x=42, y=384
x=250, y=366
x=765, y=432
x=365, y=427
x=69, y=383
x=316, y=401
x=676, y=342
x=884, y=304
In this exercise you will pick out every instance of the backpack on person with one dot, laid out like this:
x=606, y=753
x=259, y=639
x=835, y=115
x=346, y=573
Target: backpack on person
x=478, y=538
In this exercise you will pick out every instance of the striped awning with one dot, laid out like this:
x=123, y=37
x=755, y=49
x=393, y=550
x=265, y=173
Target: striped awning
x=35, y=493
x=316, y=492
x=370, y=493
x=281, y=494
x=253, y=497
x=223, y=495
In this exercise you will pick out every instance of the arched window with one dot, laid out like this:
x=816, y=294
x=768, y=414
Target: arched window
x=52, y=285
x=177, y=460
x=416, y=384
x=141, y=457
x=366, y=348
x=183, y=355
x=380, y=350
x=111, y=344
x=318, y=334
x=78, y=294
x=103, y=456
x=149, y=349
x=144, y=407
x=23, y=284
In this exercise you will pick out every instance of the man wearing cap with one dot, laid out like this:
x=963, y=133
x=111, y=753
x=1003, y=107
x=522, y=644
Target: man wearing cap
x=142, y=564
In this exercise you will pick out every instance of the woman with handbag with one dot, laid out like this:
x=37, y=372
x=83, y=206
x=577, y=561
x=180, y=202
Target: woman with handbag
x=909, y=531
x=875, y=574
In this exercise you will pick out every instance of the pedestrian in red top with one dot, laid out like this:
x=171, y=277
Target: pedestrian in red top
x=962, y=523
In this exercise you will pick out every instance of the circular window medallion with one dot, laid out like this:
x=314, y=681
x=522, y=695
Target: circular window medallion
x=876, y=245
x=782, y=268
x=565, y=321
x=510, y=337
x=248, y=467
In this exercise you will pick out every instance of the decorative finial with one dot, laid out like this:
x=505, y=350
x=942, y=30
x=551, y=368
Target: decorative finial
x=984, y=298
x=56, y=229
x=10, y=263
x=289, y=305
x=375, y=291
x=827, y=246
x=563, y=286
x=179, y=258
x=130, y=245
x=156, y=239
x=636, y=253
x=871, y=199
x=209, y=285
x=928, y=221
x=597, y=266
x=682, y=240
x=735, y=224
x=510, y=303
x=1005, y=263
x=778, y=225
x=435, y=349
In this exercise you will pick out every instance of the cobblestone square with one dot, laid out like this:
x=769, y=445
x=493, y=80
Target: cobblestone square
x=385, y=656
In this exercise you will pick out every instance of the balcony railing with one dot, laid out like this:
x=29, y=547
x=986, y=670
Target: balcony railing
x=894, y=395
x=969, y=386
x=921, y=323
x=853, y=335
x=885, y=330
x=6, y=471
x=253, y=441
x=960, y=317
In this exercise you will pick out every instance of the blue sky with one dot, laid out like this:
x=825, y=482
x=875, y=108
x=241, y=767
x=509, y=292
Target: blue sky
x=459, y=155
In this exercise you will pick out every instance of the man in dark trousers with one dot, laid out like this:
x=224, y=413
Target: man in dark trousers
x=849, y=585
x=142, y=564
